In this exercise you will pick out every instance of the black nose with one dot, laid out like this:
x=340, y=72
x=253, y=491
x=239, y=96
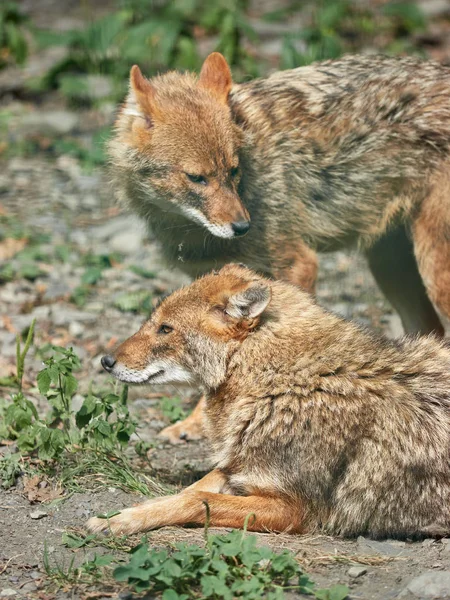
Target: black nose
x=108, y=362
x=240, y=227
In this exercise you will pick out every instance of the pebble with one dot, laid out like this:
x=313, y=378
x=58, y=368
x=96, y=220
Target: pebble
x=432, y=585
x=76, y=329
x=98, y=86
x=367, y=546
x=55, y=122
x=356, y=572
x=35, y=575
x=115, y=226
x=56, y=289
x=38, y=514
x=63, y=315
x=8, y=593
x=129, y=241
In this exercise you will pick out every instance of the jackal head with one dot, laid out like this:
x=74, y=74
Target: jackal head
x=193, y=332
x=177, y=147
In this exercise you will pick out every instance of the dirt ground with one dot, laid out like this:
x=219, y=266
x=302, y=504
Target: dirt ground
x=75, y=209
x=70, y=212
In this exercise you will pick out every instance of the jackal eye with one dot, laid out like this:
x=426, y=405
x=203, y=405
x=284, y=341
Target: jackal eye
x=165, y=329
x=234, y=171
x=197, y=178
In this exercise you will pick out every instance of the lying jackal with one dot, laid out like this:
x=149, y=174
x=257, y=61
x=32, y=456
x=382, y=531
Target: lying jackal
x=313, y=421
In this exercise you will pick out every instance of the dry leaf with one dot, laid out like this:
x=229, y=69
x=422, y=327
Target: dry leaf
x=9, y=247
x=38, y=489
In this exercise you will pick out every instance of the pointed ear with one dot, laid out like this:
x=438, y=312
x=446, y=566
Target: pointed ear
x=215, y=76
x=144, y=94
x=249, y=303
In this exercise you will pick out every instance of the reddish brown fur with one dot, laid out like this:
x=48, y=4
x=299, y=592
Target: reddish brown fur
x=313, y=422
x=348, y=152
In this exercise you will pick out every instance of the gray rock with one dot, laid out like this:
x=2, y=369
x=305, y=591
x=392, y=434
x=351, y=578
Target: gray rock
x=29, y=587
x=115, y=226
x=38, y=514
x=367, y=546
x=128, y=241
x=98, y=86
x=56, y=289
x=395, y=328
x=76, y=329
x=8, y=593
x=356, y=571
x=77, y=402
x=53, y=123
x=88, y=183
x=432, y=585
x=63, y=315
x=434, y=8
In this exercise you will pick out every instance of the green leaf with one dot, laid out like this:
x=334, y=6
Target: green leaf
x=109, y=515
x=335, y=592
x=104, y=428
x=43, y=381
x=70, y=385
x=92, y=275
x=142, y=272
x=134, y=301
x=173, y=595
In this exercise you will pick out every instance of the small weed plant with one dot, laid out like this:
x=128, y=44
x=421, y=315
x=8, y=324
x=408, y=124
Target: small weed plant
x=229, y=566
x=13, y=43
x=78, y=443
x=226, y=566
x=172, y=409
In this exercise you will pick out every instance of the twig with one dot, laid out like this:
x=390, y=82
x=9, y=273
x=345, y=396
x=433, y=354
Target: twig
x=8, y=561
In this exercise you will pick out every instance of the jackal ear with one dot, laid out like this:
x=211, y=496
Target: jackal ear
x=215, y=76
x=249, y=303
x=144, y=95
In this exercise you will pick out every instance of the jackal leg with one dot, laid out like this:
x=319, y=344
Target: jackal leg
x=270, y=513
x=394, y=266
x=431, y=236
x=188, y=429
x=298, y=264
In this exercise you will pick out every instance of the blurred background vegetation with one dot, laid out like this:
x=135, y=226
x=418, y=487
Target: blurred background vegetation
x=75, y=56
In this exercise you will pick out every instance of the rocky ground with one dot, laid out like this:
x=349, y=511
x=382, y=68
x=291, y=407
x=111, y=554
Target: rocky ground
x=88, y=273
x=68, y=216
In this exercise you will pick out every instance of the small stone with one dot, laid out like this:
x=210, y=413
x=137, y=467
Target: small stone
x=38, y=514
x=29, y=587
x=8, y=593
x=428, y=542
x=63, y=315
x=428, y=586
x=55, y=122
x=56, y=289
x=76, y=329
x=366, y=546
x=129, y=241
x=356, y=572
x=98, y=86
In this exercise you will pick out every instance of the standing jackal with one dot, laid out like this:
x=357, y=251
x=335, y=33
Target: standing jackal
x=348, y=152
x=313, y=421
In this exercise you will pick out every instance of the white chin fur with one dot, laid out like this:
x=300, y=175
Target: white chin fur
x=160, y=371
x=222, y=231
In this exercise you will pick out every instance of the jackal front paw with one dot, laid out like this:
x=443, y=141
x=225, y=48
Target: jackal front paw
x=129, y=520
x=182, y=431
